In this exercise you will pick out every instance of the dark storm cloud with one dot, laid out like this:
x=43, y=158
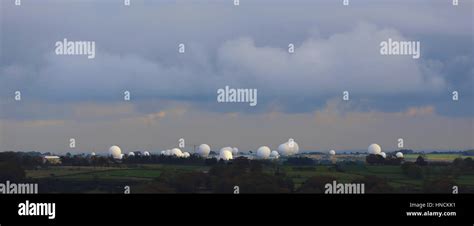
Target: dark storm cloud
x=336, y=50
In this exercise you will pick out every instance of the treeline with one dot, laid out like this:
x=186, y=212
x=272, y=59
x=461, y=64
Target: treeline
x=79, y=160
x=446, y=173
x=379, y=160
x=14, y=164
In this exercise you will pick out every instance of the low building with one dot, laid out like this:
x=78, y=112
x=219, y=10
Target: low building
x=51, y=159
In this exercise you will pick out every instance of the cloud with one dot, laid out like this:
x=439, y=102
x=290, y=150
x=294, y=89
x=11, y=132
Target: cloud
x=174, y=95
x=420, y=111
x=242, y=48
x=344, y=61
x=320, y=68
x=43, y=123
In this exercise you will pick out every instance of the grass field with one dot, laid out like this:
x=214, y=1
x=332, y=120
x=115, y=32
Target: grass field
x=299, y=174
x=393, y=174
x=141, y=172
x=435, y=157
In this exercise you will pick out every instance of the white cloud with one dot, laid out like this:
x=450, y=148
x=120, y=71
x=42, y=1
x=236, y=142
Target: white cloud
x=345, y=61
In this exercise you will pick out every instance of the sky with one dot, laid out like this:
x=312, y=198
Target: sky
x=173, y=95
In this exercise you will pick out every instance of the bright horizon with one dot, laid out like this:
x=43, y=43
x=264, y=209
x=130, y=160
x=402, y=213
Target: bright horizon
x=175, y=95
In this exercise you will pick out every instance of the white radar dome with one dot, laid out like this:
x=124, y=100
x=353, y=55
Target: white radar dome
x=374, y=149
x=287, y=148
x=115, y=152
x=399, y=155
x=263, y=152
x=225, y=155
x=203, y=150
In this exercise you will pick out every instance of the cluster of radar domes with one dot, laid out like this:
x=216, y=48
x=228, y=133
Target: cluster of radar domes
x=228, y=153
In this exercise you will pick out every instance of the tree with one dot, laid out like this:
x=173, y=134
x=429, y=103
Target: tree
x=421, y=161
x=210, y=162
x=458, y=162
x=241, y=162
x=469, y=163
x=302, y=161
x=393, y=160
x=374, y=159
x=11, y=171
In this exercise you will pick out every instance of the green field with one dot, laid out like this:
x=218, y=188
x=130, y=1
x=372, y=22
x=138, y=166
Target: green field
x=141, y=172
x=393, y=174
x=435, y=157
x=145, y=173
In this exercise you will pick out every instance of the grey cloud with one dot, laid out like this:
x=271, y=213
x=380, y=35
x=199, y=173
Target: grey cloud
x=243, y=46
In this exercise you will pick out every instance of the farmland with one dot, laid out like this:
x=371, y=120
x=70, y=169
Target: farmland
x=150, y=173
